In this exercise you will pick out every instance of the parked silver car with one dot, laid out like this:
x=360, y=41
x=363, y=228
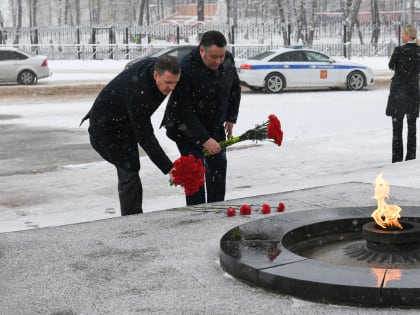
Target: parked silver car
x=17, y=66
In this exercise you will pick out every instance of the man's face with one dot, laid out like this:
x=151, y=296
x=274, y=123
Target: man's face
x=213, y=57
x=166, y=82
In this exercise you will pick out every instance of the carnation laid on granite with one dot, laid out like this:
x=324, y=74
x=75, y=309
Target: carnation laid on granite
x=245, y=210
x=231, y=211
x=267, y=131
x=281, y=207
x=265, y=208
x=188, y=172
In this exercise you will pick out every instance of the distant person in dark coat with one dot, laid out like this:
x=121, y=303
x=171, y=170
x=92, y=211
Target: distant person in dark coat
x=120, y=120
x=404, y=98
x=202, y=110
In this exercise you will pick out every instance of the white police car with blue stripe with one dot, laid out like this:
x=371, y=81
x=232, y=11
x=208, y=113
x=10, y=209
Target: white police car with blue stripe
x=276, y=70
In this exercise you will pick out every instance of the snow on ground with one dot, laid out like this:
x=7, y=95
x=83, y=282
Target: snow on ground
x=330, y=137
x=81, y=70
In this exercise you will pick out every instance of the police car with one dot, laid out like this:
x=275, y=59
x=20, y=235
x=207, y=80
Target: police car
x=276, y=70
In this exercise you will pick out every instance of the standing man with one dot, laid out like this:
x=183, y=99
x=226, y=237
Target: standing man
x=202, y=110
x=120, y=120
x=404, y=98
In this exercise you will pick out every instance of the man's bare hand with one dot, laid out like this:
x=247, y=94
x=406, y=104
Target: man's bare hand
x=212, y=146
x=228, y=129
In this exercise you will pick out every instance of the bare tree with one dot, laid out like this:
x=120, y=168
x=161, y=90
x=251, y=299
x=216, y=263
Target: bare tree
x=376, y=22
x=94, y=7
x=350, y=11
x=200, y=10
x=77, y=11
x=33, y=6
x=2, y=36
x=300, y=15
x=16, y=6
x=113, y=10
x=67, y=13
x=141, y=11
x=311, y=19
x=283, y=22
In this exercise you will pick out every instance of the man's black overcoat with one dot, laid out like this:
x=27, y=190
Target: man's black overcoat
x=203, y=100
x=404, y=91
x=120, y=118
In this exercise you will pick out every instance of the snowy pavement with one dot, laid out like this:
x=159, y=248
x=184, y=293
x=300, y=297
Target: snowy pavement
x=51, y=176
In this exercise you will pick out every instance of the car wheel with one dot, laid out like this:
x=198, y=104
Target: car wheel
x=27, y=77
x=275, y=83
x=356, y=80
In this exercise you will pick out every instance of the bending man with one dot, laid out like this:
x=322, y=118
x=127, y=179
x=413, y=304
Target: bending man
x=120, y=120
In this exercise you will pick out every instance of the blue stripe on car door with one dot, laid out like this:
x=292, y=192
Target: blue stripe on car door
x=306, y=66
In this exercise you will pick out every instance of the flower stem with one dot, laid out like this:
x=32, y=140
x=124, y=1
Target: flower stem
x=230, y=141
x=224, y=144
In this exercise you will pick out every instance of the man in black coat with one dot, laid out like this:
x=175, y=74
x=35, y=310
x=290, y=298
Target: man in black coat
x=202, y=110
x=120, y=120
x=404, y=97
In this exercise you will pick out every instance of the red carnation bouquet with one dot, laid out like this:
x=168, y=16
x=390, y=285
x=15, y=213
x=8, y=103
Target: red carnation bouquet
x=188, y=172
x=269, y=130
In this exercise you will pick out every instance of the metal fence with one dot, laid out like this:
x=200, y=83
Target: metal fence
x=240, y=51
x=245, y=40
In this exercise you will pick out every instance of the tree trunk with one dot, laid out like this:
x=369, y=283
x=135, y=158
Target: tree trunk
x=77, y=11
x=359, y=31
x=200, y=10
x=301, y=24
x=94, y=6
x=66, y=12
x=350, y=12
x=310, y=27
x=18, y=21
x=376, y=23
x=283, y=23
x=141, y=13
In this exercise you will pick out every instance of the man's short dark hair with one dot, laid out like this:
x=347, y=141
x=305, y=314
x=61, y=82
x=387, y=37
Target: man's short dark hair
x=211, y=38
x=167, y=63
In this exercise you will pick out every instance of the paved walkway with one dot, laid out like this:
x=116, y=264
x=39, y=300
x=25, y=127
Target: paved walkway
x=164, y=262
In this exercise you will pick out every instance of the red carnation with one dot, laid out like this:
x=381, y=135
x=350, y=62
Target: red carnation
x=274, y=130
x=281, y=207
x=230, y=212
x=245, y=210
x=189, y=173
x=265, y=208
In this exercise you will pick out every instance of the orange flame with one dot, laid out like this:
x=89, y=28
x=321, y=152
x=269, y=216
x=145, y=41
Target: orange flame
x=385, y=215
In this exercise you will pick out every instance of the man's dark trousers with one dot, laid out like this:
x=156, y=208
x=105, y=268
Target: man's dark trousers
x=215, y=174
x=130, y=191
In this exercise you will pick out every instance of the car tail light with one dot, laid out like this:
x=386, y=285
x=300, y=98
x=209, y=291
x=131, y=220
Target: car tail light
x=246, y=66
x=44, y=63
